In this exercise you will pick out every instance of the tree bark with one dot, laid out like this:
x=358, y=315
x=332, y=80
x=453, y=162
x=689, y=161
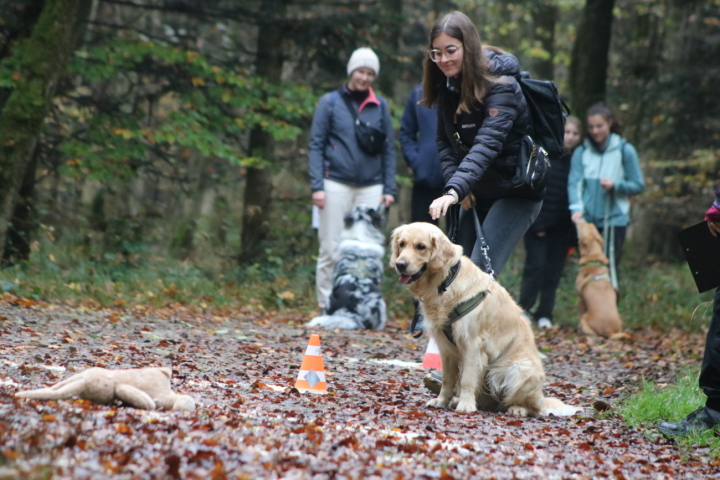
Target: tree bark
x=589, y=62
x=48, y=50
x=258, y=181
x=544, y=13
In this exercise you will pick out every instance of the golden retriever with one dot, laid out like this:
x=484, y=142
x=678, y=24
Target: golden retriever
x=493, y=363
x=597, y=299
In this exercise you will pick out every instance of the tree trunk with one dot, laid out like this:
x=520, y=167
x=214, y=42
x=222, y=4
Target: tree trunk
x=21, y=120
x=23, y=221
x=589, y=63
x=258, y=181
x=389, y=64
x=544, y=13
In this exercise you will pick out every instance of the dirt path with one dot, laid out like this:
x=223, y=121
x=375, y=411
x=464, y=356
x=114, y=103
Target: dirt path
x=372, y=424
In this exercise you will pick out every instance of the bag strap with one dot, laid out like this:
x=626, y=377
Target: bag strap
x=349, y=104
x=351, y=107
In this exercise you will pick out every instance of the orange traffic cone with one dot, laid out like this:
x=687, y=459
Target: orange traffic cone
x=312, y=372
x=432, y=356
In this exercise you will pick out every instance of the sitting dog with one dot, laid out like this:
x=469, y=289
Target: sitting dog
x=487, y=348
x=597, y=298
x=356, y=301
x=147, y=388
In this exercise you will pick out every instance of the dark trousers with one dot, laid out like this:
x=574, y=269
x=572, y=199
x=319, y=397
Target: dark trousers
x=710, y=370
x=422, y=197
x=544, y=264
x=504, y=222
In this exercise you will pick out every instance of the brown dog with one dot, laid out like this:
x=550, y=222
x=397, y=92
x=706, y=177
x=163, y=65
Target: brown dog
x=489, y=356
x=597, y=298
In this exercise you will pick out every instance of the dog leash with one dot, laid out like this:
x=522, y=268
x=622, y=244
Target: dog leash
x=609, y=236
x=484, y=248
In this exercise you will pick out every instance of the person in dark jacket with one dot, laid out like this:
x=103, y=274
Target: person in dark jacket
x=482, y=114
x=708, y=416
x=547, y=240
x=342, y=173
x=418, y=132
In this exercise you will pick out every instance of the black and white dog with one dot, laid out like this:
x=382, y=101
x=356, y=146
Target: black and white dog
x=356, y=300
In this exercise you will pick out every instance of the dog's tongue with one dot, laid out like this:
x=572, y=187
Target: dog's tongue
x=405, y=279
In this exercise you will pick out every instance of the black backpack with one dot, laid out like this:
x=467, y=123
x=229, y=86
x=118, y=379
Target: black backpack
x=547, y=113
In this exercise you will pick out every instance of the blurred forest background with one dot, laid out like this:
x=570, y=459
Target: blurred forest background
x=172, y=134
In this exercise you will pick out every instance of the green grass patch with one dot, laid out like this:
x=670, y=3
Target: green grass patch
x=656, y=403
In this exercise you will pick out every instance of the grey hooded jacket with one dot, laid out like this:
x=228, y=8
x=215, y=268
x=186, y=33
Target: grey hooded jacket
x=334, y=153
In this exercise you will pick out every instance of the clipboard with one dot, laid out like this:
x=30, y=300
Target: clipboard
x=702, y=252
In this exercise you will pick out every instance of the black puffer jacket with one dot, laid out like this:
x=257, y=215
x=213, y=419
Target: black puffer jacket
x=492, y=132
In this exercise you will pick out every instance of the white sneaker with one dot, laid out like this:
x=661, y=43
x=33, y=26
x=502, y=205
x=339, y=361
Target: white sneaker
x=544, y=322
x=527, y=317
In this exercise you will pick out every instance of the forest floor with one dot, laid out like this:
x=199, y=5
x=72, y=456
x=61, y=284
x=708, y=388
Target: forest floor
x=251, y=423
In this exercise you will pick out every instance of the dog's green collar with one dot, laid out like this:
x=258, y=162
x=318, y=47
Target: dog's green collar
x=460, y=310
x=595, y=263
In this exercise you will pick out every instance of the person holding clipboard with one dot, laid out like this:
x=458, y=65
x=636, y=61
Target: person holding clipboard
x=708, y=416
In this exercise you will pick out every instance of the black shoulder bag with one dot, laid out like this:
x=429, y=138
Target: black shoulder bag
x=370, y=139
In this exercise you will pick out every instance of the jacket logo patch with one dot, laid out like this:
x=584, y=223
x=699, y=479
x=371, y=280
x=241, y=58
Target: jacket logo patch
x=493, y=112
x=467, y=125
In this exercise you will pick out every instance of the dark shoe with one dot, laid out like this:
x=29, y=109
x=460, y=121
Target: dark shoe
x=433, y=382
x=701, y=419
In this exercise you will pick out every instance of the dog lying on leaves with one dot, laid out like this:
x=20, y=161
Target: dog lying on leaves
x=356, y=300
x=147, y=388
x=597, y=299
x=489, y=357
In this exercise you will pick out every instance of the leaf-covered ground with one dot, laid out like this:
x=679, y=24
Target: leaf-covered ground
x=250, y=422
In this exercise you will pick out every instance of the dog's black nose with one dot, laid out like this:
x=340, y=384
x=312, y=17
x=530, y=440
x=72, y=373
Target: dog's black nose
x=401, y=265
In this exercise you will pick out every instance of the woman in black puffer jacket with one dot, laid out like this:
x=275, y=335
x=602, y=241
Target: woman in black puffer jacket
x=482, y=115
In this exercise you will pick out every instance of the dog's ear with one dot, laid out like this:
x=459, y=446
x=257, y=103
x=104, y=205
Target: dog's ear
x=443, y=251
x=349, y=220
x=393, y=244
x=596, y=236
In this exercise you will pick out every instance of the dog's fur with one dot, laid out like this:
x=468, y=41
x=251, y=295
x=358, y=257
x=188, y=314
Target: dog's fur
x=147, y=388
x=356, y=300
x=495, y=364
x=597, y=298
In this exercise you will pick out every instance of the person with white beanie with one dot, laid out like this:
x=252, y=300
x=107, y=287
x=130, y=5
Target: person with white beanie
x=351, y=158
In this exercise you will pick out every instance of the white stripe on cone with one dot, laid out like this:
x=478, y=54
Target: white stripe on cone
x=313, y=350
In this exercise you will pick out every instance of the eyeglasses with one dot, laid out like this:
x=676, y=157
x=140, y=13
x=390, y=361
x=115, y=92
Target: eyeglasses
x=450, y=53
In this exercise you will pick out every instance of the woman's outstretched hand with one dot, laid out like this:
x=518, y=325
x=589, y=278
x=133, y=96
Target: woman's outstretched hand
x=439, y=206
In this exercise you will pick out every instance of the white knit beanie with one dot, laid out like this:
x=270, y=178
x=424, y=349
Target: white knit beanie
x=363, y=57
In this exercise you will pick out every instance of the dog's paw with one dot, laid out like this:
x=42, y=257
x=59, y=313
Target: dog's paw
x=517, y=411
x=454, y=403
x=436, y=403
x=466, y=407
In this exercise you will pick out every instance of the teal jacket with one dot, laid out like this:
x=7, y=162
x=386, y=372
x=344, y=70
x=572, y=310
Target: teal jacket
x=618, y=162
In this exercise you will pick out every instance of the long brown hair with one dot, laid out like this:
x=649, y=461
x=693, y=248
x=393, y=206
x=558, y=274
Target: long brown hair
x=474, y=71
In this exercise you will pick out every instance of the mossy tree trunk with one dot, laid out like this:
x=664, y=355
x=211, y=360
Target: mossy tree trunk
x=589, y=62
x=259, y=181
x=544, y=15
x=21, y=120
